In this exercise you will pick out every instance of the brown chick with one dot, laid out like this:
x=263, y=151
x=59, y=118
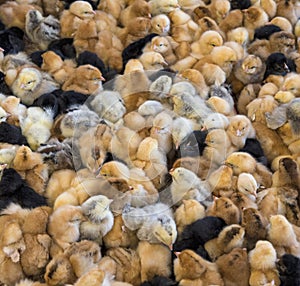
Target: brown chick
x=120, y=235
x=128, y=264
x=155, y=259
x=64, y=224
x=139, y=8
x=254, y=17
x=13, y=13
x=255, y=226
x=86, y=79
x=232, y=20
x=240, y=128
x=224, y=208
x=287, y=10
x=190, y=267
x=262, y=261
x=188, y=212
x=234, y=267
x=71, y=19
x=59, y=69
x=112, y=7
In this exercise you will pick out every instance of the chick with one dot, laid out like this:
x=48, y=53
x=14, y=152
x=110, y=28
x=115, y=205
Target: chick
x=216, y=121
x=138, y=8
x=262, y=261
x=254, y=17
x=247, y=185
x=277, y=64
x=86, y=79
x=13, y=14
x=163, y=46
x=188, y=212
x=218, y=148
x=151, y=267
x=154, y=223
x=290, y=243
x=41, y=30
x=287, y=10
x=234, y=267
x=36, y=127
x=29, y=83
x=64, y=225
x=230, y=237
x=189, y=267
x=160, y=24
x=233, y=20
x=100, y=218
x=187, y=185
x=153, y=61
x=71, y=19
x=59, y=69
x=239, y=129
x=162, y=7
x=224, y=208
x=219, y=9
x=255, y=226
x=289, y=269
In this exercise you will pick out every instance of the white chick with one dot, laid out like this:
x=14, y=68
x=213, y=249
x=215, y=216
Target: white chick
x=161, y=131
x=3, y=115
x=7, y=154
x=150, y=107
x=100, y=218
x=36, y=126
x=181, y=87
x=187, y=185
x=216, y=121
x=153, y=223
x=181, y=129
x=247, y=185
x=109, y=105
x=77, y=121
x=161, y=87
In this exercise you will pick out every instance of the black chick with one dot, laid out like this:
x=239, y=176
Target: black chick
x=13, y=189
x=289, y=270
x=264, y=32
x=240, y=4
x=193, y=145
x=11, y=40
x=278, y=64
x=64, y=48
x=36, y=57
x=4, y=88
x=253, y=147
x=160, y=281
x=196, y=234
x=135, y=49
x=12, y=134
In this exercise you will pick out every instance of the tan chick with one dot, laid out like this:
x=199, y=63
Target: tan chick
x=242, y=162
x=64, y=225
x=239, y=129
x=29, y=83
x=162, y=7
x=153, y=61
x=254, y=17
x=71, y=19
x=188, y=212
x=139, y=8
x=282, y=235
x=219, y=9
x=160, y=24
x=262, y=261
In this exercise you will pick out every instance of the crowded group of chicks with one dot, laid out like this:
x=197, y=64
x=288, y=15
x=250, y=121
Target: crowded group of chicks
x=150, y=142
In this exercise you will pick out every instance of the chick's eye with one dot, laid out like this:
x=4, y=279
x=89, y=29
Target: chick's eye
x=158, y=25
